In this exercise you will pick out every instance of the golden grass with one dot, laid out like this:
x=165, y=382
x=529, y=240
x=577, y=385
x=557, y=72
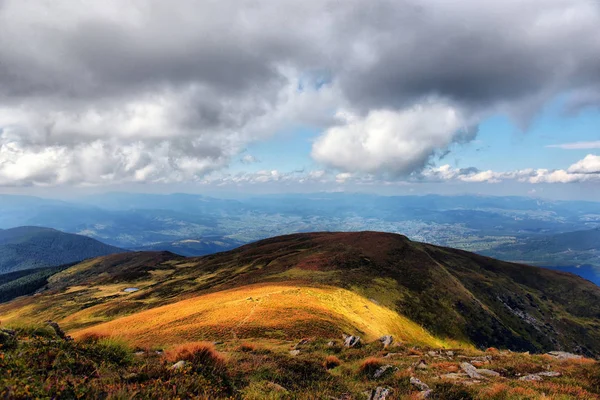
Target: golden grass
x=263, y=310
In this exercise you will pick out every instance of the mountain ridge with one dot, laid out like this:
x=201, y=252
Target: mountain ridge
x=31, y=247
x=453, y=294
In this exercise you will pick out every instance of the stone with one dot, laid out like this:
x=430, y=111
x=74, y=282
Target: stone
x=550, y=374
x=59, y=332
x=563, y=355
x=531, y=378
x=432, y=353
x=421, y=365
x=386, y=340
x=178, y=365
x=351, y=341
x=331, y=344
x=450, y=353
x=416, y=382
x=470, y=370
x=294, y=352
x=301, y=343
x=488, y=372
x=379, y=393
x=275, y=387
x=383, y=370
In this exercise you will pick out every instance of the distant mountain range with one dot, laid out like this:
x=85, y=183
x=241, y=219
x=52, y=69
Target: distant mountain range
x=30, y=247
x=194, y=247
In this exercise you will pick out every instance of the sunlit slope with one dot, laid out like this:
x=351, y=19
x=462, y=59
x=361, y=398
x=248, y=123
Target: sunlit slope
x=450, y=293
x=263, y=310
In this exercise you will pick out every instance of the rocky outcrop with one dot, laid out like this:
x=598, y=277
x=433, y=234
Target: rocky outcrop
x=351, y=341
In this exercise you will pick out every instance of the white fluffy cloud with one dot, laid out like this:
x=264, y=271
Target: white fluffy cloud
x=152, y=91
x=585, y=170
x=390, y=141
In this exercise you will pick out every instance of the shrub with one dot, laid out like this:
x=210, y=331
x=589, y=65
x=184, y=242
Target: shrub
x=91, y=337
x=113, y=350
x=247, y=347
x=202, y=356
x=331, y=362
x=7, y=341
x=369, y=366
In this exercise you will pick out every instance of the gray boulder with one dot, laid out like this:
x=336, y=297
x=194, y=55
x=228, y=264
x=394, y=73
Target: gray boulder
x=416, y=382
x=351, y=341
x=379, y=393
x=386, y=340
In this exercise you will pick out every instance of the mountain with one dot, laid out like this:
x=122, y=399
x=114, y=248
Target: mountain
x=131, y=220
x=30, y=247
x=322, y=284
x=195, y=247
x=563, y=249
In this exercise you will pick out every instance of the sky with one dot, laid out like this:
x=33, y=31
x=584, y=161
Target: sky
x=257, y=96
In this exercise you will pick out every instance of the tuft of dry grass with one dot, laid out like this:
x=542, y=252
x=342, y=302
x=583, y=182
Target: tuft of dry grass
x=331, y=362
x=369, y=365
x=247, y=347
x=201, y=355
x=91, y=337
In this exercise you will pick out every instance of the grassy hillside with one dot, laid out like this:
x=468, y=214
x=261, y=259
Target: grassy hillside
x=454, y=295
x=36, y=363
x=31, y=247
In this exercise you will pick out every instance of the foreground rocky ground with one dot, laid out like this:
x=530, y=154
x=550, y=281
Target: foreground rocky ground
x=42, y=363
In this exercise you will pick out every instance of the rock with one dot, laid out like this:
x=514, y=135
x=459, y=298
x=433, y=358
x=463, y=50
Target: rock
x=450, y=353
x=416, y=382
x=551, y=374
x=386, y=340
x=130, y=290
x=390, y=355
x=139, y=353
x=272, y=386
x=59, y=332
x=539, y=376
x=531, y=378
x=379, y=393
x=331, y=344
x=421, y=365
x=432, y=353
x=470, y=370
x=301, y=343
x=488, y=372
x=178, y=365
x=425, y=394
x=294, y=352
x=563, y=355
x=351, y=341
x=383, y=370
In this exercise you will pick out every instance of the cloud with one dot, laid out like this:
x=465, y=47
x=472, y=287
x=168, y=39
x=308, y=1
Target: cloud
x=249, y=159
x=98, y=92
x=577, y=145
x=589, y=165
x=393, y=142
x=585, y=170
